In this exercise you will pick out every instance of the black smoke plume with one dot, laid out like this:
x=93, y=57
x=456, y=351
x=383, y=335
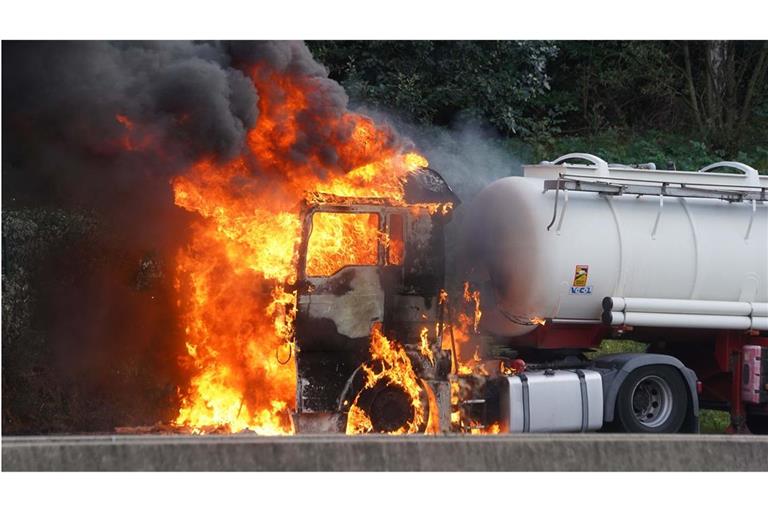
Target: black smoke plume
x=92, y=134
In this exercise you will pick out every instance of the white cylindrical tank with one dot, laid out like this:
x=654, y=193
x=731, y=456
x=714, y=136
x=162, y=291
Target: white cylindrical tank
x=614, y=245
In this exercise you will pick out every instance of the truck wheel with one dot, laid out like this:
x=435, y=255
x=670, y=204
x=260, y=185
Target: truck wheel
x=652, y=399
x=757, y=424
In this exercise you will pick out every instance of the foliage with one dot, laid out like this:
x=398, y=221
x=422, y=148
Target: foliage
x=30, y=236
x=618, y=347
x=610, y=84
x=713, y=422
x=630, y=101
x=67, y=281
x=651, y=145
x=724, y=80
x=33, y=239
x=436, y=81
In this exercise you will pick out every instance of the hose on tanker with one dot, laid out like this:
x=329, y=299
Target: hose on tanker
x=554, y=213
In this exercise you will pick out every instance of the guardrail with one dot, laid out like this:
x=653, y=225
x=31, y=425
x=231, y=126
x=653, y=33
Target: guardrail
x=531, y=452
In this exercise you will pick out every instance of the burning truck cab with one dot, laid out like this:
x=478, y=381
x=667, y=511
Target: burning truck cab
x=371, y=270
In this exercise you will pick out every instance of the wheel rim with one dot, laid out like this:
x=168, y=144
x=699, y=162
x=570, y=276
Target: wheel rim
x=652, y=401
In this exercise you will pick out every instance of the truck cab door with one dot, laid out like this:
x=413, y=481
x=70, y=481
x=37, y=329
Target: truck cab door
x=341, y=294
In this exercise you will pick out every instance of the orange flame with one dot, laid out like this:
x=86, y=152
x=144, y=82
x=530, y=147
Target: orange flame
x=473, y=297
x=342, y=239
x=465, y=325
x=424, y=348
x=234, y=276
x=396, y=367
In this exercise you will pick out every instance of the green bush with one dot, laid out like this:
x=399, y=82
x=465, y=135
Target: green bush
x=650, y=146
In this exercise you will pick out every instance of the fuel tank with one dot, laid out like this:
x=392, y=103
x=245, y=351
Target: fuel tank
x=551, y=401
x=551, y=244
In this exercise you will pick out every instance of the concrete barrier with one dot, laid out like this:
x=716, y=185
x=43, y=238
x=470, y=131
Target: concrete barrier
x=530, y=452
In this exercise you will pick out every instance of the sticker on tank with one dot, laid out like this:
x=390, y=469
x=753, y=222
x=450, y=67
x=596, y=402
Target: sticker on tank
x=580, y=276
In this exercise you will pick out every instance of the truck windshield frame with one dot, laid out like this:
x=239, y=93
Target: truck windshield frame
x=347, y=243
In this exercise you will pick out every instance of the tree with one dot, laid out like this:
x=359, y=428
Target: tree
x=436, y=81
x=725, y=80
x=614, y=85
x=713, y=92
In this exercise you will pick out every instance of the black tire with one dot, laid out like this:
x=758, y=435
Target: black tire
x=757, y=424
x=652, y=399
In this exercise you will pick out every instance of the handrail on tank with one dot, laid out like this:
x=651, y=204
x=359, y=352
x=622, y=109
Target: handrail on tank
x=750, y=173
x=600, y=164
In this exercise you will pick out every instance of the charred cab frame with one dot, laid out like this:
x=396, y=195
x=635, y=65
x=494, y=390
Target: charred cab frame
x=336, y=313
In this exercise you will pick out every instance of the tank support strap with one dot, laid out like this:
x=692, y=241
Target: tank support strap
x=584, y=401
x=526, y=403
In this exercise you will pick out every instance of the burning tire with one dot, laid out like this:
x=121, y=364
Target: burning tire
x=388, y=395
x=652, y=399
x=387, y=408
x=390, y=408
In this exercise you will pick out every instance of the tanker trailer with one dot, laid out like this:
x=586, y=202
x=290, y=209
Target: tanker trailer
x=578, y=250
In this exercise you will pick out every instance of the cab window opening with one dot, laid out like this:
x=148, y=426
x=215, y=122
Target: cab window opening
x=395, y=240
x=340, y=239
